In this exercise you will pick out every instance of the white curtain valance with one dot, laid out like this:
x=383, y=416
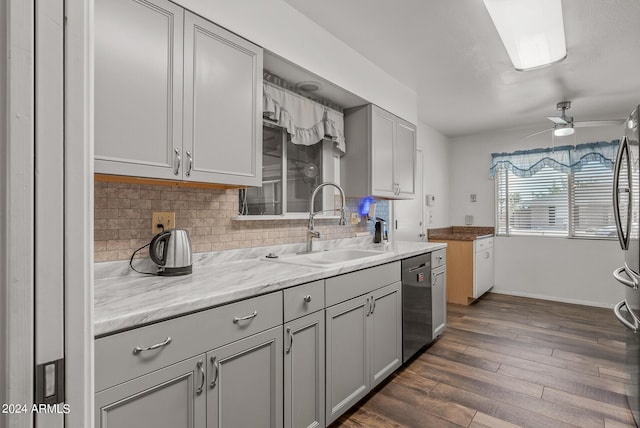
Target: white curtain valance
x=307, y=122
x=526, y=163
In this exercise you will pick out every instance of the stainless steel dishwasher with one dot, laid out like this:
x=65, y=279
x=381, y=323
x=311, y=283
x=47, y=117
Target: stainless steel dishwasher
x=419, y=305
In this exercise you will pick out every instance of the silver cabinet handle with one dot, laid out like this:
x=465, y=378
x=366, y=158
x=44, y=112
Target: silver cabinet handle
x=214, y=363
x=631, y=283
x=190, y=167
x=307, y=298
x=200, y=366
x=635, y=327
x=368, y=307
x=373, y=308
x=486, y=255
x=179, y=159
x=246, y=317
x=139, y=349
x=290, y=339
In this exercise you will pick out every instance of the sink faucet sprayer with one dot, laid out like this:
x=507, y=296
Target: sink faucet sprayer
x=311, y=233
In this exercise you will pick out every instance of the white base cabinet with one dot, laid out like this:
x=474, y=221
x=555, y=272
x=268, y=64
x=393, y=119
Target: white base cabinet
x=483, y=267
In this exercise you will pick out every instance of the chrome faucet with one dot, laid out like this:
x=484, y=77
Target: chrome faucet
x=311, y=233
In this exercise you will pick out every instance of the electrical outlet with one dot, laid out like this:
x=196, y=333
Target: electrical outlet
x=354, y=219
x=166, y=218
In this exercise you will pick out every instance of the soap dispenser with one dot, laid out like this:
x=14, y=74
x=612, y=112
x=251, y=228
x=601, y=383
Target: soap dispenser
x=381, y=233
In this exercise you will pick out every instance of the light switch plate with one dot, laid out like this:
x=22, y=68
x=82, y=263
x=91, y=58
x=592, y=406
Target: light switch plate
x=166, y=218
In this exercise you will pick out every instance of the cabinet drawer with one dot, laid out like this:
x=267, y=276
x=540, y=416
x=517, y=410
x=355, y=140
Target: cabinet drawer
x=438, y=258
x=303, y=299
x=482, y=244
x=350, y=285
x=116, y=362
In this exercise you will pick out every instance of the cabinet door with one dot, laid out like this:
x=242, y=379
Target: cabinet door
x=138, y=87
x=483, y=271
x=347, y=355
x=304, y=372
x=439, y=300
x=385, y=332
x=222, y=105
x=383, y=134
x=404, y=158
x=244, y=386
x=167, y=398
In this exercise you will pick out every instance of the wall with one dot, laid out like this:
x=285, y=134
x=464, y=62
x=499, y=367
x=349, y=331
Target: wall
x=123, y=220
x=280, y=28
x=435, y=152
x=571, y=270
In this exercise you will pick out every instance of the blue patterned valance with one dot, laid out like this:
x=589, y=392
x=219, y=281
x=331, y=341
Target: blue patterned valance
x=525, y=163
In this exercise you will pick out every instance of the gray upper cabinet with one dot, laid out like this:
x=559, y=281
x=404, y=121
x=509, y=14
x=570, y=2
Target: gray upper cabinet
x=138, y=87
x=222, y=105
x=245, y=382
x=381, y=154
x=151, y=120
x=168, y=398
x=304, y=372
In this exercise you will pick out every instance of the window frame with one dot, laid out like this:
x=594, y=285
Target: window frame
x=330, y=166
x=570, y=234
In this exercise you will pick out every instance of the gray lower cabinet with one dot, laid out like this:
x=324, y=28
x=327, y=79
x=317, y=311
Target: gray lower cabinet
x=244, y=382
x=167, y=398
x=385, y=332
x=364, y=346
x=347, y=376
x=304, y=376
x=439, y=297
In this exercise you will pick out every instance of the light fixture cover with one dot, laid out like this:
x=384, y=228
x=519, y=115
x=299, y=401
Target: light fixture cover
x=532, y=31
x=563, y=132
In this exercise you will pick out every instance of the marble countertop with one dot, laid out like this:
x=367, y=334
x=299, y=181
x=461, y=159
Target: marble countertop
x=124, y=299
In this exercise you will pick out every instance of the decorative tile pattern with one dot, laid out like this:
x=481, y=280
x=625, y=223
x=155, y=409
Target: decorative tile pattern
x=123, y=220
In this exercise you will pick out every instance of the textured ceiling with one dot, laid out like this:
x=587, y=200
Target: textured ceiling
x=449, y=52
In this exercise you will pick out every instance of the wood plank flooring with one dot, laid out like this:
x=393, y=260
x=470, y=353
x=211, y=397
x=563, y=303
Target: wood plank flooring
x=509, y=361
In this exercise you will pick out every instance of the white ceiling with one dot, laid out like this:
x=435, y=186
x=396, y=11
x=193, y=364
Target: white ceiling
x=449, y=52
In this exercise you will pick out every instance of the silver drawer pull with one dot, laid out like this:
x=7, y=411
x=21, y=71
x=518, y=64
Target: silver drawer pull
x=138, y=349
x=200, y=367
x=290, y=340
x=215, y=377
x=307, y=298
x=246, y=317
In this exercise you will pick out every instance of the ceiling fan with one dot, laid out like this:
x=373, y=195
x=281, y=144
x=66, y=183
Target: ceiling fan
x=564, y=125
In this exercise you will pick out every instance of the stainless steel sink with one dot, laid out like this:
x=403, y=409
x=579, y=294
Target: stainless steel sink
x=327, y=258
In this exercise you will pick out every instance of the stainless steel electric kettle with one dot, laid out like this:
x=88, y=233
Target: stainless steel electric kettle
x=171, y=252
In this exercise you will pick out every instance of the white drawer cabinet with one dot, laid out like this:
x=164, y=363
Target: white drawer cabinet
x=483, y=266
x=173, y=94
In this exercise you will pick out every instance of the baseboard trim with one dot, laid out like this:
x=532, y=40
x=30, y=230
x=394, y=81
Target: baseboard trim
x=553, y=298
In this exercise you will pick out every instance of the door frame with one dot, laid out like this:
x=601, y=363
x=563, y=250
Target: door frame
x=17, y=229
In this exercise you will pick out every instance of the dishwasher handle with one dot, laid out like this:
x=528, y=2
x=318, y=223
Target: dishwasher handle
x=415, y=268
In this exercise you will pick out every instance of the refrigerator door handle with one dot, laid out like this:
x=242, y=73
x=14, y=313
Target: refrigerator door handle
x=635, y=327
x=631, y=282
x=622, y=238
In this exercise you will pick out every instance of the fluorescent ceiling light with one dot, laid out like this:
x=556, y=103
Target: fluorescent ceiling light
x=563, y=132
x=532, y=31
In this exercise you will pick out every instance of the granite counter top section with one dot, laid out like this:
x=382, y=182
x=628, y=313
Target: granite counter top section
x=460, y=233
x=124, y=299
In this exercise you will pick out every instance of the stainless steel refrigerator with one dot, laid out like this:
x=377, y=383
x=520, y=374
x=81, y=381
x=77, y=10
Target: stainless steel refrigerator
x=626, y=206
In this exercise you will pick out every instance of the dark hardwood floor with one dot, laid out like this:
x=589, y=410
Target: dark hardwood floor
x=509, y=361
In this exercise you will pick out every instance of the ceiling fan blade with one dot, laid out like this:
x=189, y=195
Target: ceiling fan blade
x=536, y=133
x=558, y=120
x=590, y=123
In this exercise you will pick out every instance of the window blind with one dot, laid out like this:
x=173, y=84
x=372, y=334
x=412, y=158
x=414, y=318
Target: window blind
x=591, y=201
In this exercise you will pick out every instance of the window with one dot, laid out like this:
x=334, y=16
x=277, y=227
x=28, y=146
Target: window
x=552, y=203
x=290, y=173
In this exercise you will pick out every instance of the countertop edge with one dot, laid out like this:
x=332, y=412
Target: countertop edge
x=138, y=318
